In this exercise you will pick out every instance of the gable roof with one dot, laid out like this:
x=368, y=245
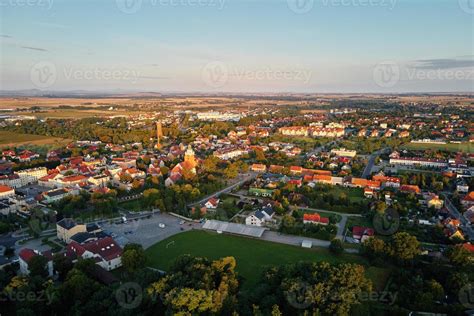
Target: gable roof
x=66, y=223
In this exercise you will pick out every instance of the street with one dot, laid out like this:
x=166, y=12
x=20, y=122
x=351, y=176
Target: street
x=250, y=176
x=467, y=229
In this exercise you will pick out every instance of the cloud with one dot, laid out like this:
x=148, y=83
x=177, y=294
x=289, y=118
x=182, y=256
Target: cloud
x=35, y=48
x=5, y=36
x=446, y=63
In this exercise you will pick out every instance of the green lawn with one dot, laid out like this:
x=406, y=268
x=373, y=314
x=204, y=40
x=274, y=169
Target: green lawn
x=252, y=255
x=464, y=147
x=359, y=221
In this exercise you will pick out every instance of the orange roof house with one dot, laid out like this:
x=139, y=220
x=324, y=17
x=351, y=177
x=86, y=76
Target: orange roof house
x=468, y=200
x=360, y=182
x=259, y=167
x=296, y=169
x=408, y=188
x=315, y=219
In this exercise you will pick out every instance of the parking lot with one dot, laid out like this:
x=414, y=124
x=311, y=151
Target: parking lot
x=147, y=231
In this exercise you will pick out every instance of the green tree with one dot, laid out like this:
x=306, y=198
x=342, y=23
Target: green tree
x=198, y=286
x=133, y=258
x=62, y=265
x=37, y=266
x=373, y=247
x=336, y=246
x=458, y=255
x=403, y=246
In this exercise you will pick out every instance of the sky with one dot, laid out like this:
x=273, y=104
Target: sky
x=308, y=46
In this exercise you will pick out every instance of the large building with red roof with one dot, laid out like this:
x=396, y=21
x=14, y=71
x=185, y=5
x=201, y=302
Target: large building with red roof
x=105, y=252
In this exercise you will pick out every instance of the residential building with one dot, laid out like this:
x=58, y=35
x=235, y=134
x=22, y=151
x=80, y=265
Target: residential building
x=6, y=191
x=315, y=218
x=26, y=254
x=105, y=252
x=415, y=161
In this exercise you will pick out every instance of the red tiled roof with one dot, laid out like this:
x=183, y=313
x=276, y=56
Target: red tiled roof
x=5, y=188
x=26, y=254
x=410, y=188
x=360, y=231
x=107, y=248
x=74, y=178
x=469, y=197
x=315, y=218
x=469, y=247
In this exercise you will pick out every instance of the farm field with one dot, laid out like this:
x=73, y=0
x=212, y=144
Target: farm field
x=10, y=138
x=252, y=255
x=74, y=114
x=464, y=147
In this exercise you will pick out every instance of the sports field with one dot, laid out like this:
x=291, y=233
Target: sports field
x=15, y=139
x=464, y=147
x=252, y=255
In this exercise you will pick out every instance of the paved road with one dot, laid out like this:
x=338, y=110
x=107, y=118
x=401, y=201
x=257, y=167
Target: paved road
x=292, y=239
x=340, y=228
x=464, y=221
x=250, y=176
x=371, y=162
x=341, y=225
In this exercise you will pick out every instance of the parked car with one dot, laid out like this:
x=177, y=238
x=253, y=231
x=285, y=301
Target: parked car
x=161, y=225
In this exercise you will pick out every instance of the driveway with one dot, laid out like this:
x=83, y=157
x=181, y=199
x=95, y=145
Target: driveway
x=229, y=188
x=292, y=239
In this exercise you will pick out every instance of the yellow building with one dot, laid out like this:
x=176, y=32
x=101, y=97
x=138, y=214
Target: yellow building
x=67, y=227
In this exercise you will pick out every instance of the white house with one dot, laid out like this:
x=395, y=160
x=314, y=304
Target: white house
x=26, y=254
x=212, y=203
x=259, y=217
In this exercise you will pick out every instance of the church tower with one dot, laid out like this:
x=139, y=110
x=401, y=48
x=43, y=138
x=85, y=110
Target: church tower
x=159, y=131
x=189, y=157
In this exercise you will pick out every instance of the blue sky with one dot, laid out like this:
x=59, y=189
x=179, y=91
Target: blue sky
x=238, y=45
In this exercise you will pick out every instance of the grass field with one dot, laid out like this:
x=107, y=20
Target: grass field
x=464, y=147
x=75, y=114
x=252, y=255
x=15, y=139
